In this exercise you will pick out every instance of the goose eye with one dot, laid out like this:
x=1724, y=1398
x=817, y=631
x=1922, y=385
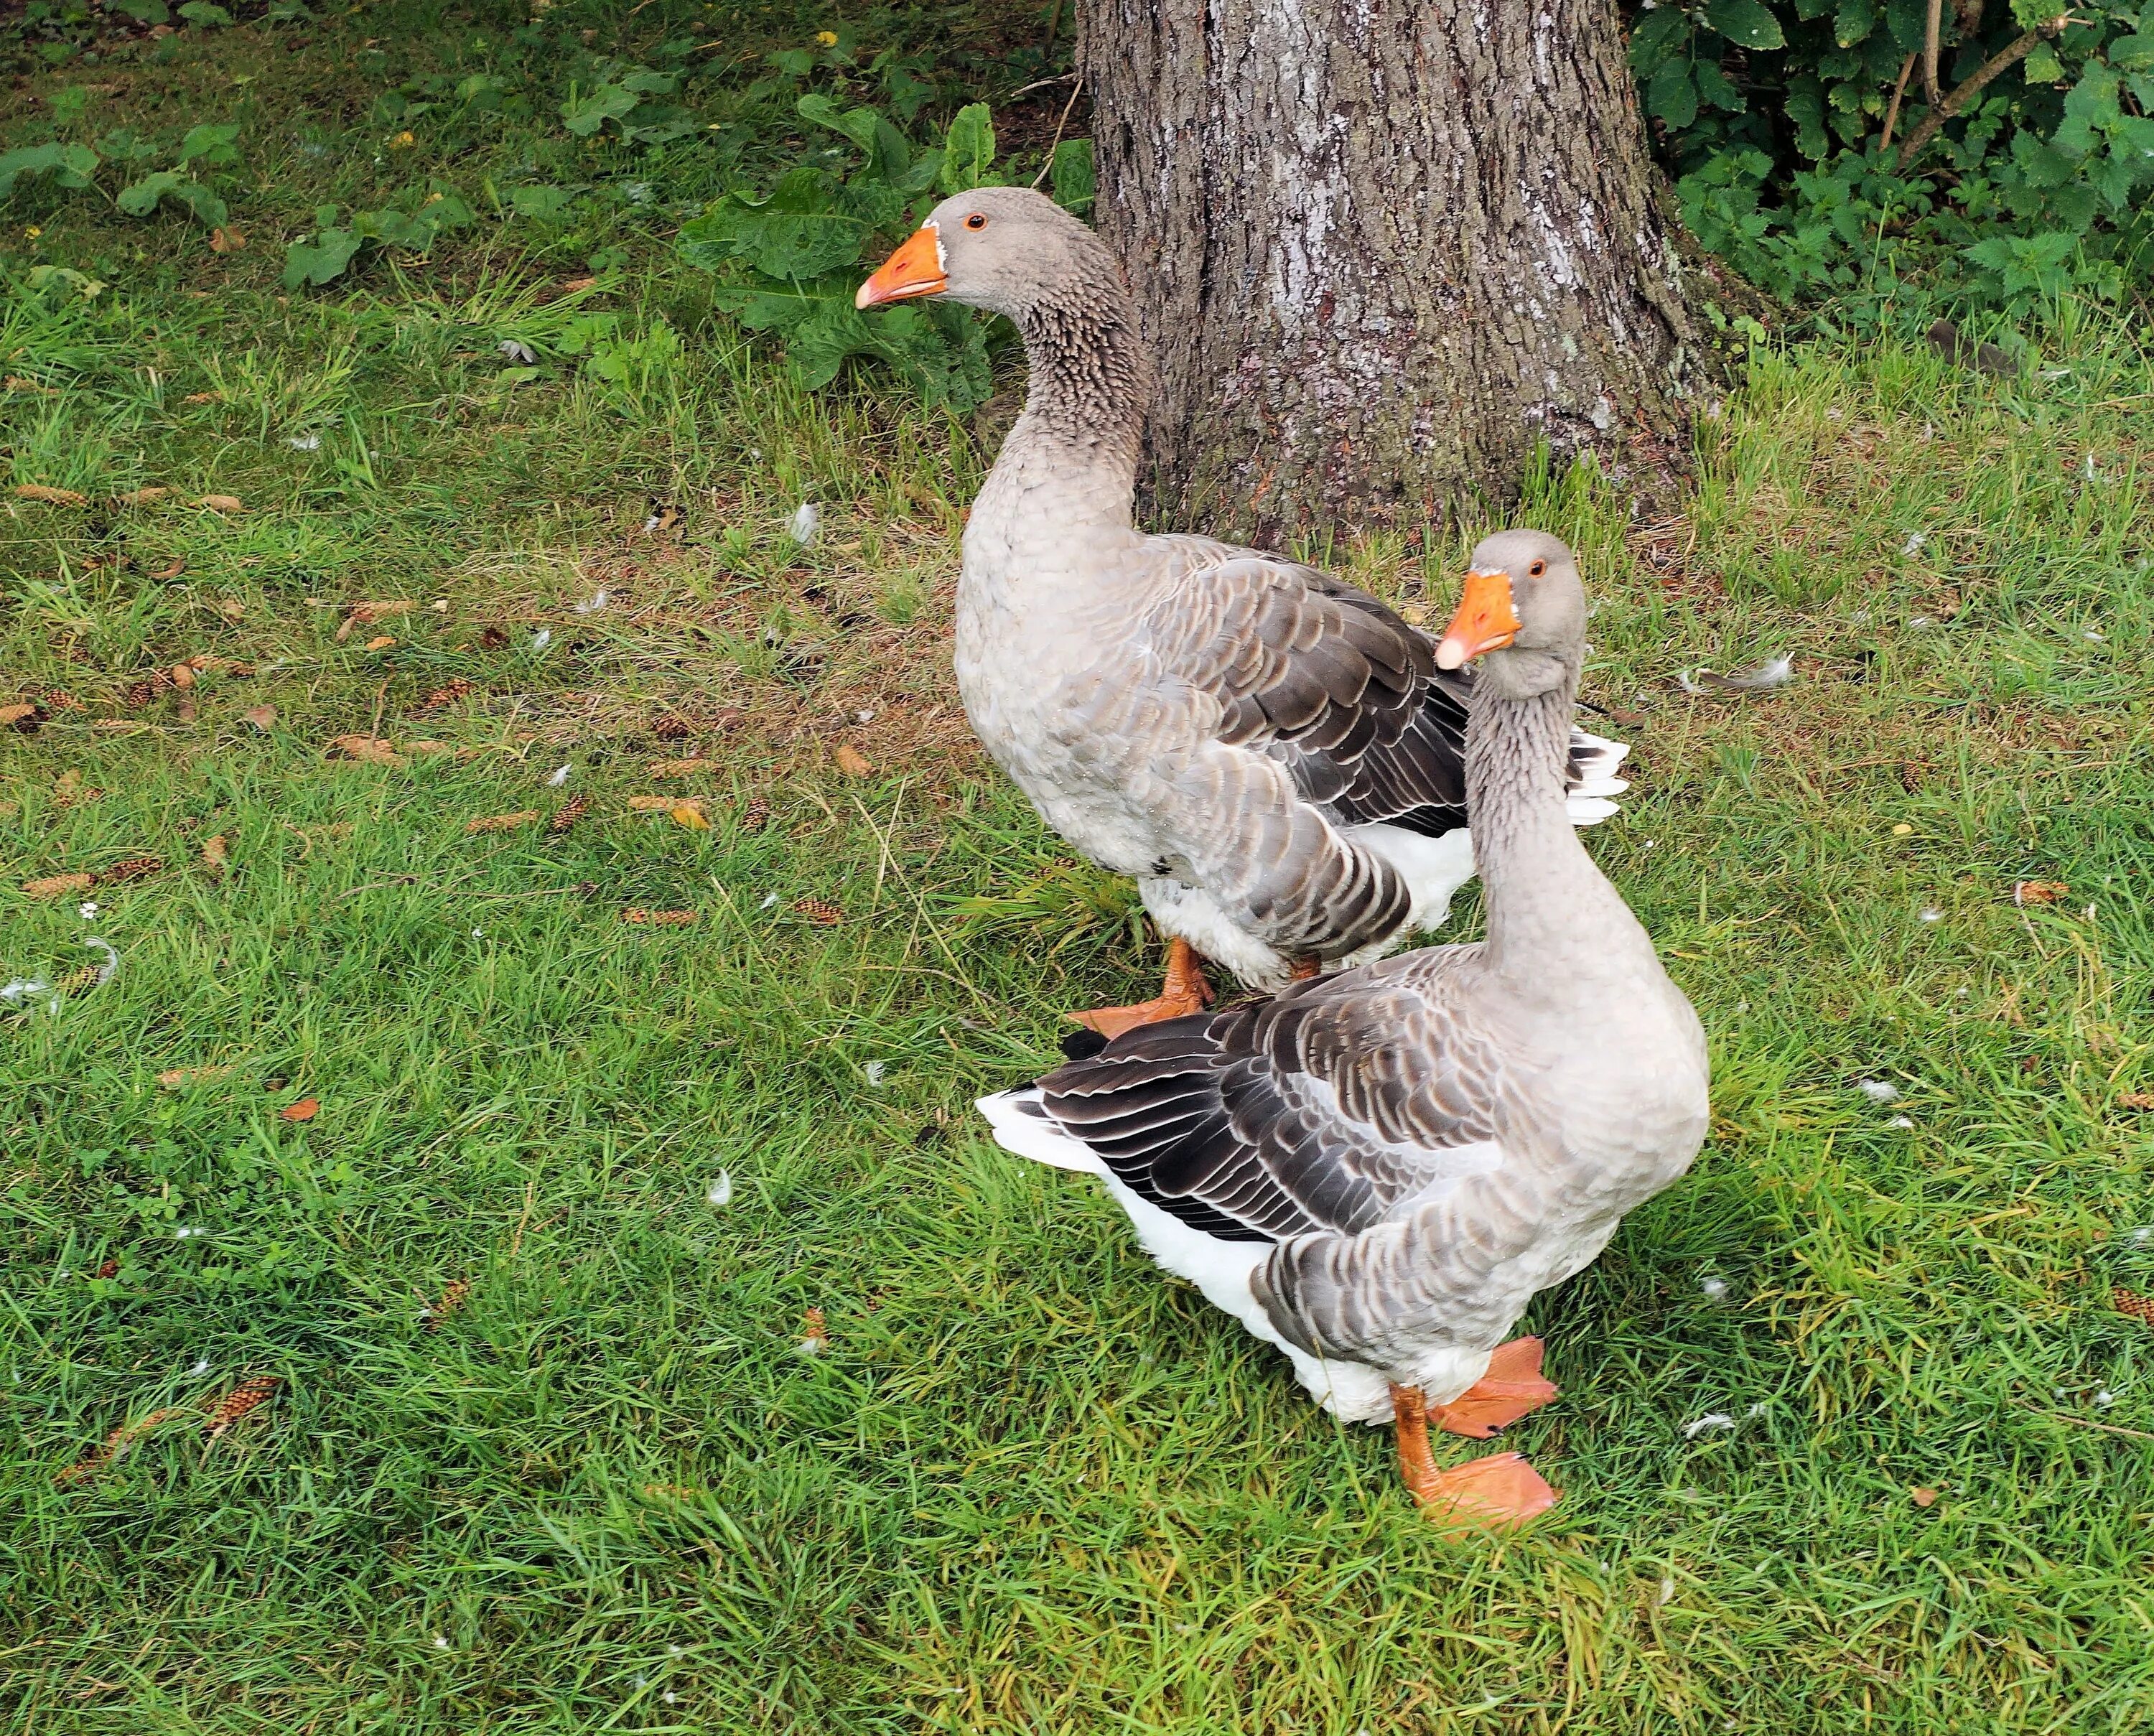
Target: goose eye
x=975, y=221
x=1536, y=569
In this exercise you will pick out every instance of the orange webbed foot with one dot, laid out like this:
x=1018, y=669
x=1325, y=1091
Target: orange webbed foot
x=1496, y=1492
x=1493, y=1493
x=1512, y=1387
x=1185, y=992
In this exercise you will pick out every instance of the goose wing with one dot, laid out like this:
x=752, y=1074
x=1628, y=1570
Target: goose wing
x=1323, y=1111
x=1334, y=682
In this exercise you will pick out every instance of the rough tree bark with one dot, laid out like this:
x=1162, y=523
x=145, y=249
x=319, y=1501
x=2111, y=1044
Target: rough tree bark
x=1382, y=247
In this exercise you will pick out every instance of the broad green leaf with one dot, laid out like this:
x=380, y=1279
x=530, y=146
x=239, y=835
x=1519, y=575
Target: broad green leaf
x=542, y=204
x=1073, y=177
x=647, y=82
x=968, y=152
x=1746, y=23
x=211, y=143
x=1672, y=94
x=320, y=261
x=801, y=231
x=1853, y=21
x=70, y=165
x=209, y=17
x=858, y=125
x=143, y=197
x=147, y=12
x=586, y=115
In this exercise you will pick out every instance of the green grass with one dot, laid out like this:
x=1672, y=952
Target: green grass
x=1031, y=1485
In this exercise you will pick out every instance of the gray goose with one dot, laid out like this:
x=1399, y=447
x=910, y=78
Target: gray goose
x=1272, y=754
x=1376, y=1170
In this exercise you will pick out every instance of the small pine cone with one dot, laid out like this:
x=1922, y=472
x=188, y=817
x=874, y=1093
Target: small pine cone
x=238, y=1402
x=130, y=868
x=110, y=1268
x=2130, y=1302
x=756, y=815
x=819, y=912
x=671, y=728
x=658, y=918
x=452, y=1298
x=571, y=811
x=60, y=700
x=449, y=694
x=138, y=695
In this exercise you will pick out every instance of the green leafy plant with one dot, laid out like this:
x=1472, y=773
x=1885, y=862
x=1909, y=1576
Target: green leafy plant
x=788, y=260
x=1995, y=154
x=623, y=100
x=325, y=256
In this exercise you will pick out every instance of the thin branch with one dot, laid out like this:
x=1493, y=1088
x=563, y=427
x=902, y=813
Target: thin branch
x=2003, y=61
x=1930, y=53
x=1046, y=168
x=1892, y=113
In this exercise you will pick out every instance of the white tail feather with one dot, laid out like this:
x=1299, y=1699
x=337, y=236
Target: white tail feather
x=1029, y=1135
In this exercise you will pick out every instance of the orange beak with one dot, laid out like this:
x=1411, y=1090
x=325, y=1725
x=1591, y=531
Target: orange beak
x=914, y=270
x=1485, y=622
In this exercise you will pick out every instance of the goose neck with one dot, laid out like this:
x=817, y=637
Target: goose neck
x=1536, y=876
x=1088, y=389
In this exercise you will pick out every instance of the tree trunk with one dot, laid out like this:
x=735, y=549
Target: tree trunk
x=1381, y=247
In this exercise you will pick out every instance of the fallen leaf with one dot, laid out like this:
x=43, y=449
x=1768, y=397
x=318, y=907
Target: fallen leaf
x=679, y=767
x=652, y=805
x=491, y=638
x=305, y=1110
x=2038, y=891
x=449, y=694
x=369, y=748
x=452, y=1298
x=116, y=1444
x=183, y=675
x=174, y=1078
x=658, y=918
x=51, y=497
x=170, y=569
x=58, y=886
x=1923, y=1497
x=365, y=615
x=246, y=1397
x=262, y=717
x=689, y=815
x=215, y=854
x=147, y=496
x=231, y=609
x=851, y=761
x=423, y=748
x=16, y=383
x=222, y=502
x=110, y=1268
x=2136, y=1099
x=23, y=717
x=380, y=642
x=226, y=238
x=502, y=822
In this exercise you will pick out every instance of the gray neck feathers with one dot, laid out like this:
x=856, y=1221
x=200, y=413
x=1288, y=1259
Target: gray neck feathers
x=1536, y=877
x=1090, y=375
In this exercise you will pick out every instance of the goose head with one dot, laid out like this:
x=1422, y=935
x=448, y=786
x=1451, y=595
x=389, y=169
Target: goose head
x=1524, y=614
x=1006, y=249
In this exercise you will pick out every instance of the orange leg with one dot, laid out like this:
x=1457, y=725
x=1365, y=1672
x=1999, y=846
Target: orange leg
x=1512, y=1386
x=1492, y=1493
x=1185, y=991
